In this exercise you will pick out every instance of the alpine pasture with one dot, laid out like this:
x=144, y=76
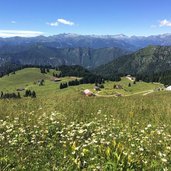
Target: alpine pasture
x=61, y=129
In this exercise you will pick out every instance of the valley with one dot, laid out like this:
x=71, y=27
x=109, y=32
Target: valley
x=114, y=114
x=85, y=85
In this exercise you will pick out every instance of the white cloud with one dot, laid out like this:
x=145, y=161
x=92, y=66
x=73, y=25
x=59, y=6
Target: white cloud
x=66, y=22
x=53, y=24
x=13, y=22
x=61, y=21
x=20, y=33
x=165, y=23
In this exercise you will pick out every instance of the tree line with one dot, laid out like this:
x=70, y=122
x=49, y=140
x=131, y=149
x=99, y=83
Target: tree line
x=10, y=95
x=98, y=80
x=88, y=77
x=162, y=77
x=28, y=93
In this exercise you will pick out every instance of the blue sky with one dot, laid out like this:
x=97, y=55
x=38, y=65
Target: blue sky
x=101, y=17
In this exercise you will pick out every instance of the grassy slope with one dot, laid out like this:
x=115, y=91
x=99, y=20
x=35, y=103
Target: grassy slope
x=21, y=78
x=135, y=88
x=71, y=101
x=36, y=117
x=26, y=78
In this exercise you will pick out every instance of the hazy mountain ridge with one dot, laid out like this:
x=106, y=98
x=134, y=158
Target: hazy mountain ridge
x=91, y=41
x=42, y=55
x=68, y=41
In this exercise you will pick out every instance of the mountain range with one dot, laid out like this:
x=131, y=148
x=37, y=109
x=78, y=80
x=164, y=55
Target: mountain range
x=131, y=43
x=107, y=55
x=39, y=54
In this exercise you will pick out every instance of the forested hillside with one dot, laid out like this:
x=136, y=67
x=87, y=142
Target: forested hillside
x=146, y=63
x=43, y=55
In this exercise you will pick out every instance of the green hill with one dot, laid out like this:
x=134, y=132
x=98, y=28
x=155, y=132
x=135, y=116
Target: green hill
x=28, y=79
x=152, y=59
x=22, y=78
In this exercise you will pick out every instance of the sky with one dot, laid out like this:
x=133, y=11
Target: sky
x=100, y=17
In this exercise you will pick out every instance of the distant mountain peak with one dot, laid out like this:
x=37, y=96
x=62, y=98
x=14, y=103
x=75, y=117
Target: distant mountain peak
x=72, y=40
x=68, y=35
x=121, y=36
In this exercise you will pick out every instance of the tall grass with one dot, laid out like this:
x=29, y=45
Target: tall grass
x=67, y=131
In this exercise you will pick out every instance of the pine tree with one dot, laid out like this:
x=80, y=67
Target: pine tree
x=2, y=94
x=26, y=93
x=18, y=95
x=42, y=70
x=41, y=82
x=61, y=86
x=65, y=85
x=129, y=85
x=33, y=94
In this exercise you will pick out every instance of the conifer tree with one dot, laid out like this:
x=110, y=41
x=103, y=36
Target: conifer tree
x=33, y=94
x=2, y=94
x=18, y=95
x=61, y=86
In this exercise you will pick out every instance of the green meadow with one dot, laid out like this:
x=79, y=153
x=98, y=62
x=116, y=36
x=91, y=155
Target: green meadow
x=61, y=129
